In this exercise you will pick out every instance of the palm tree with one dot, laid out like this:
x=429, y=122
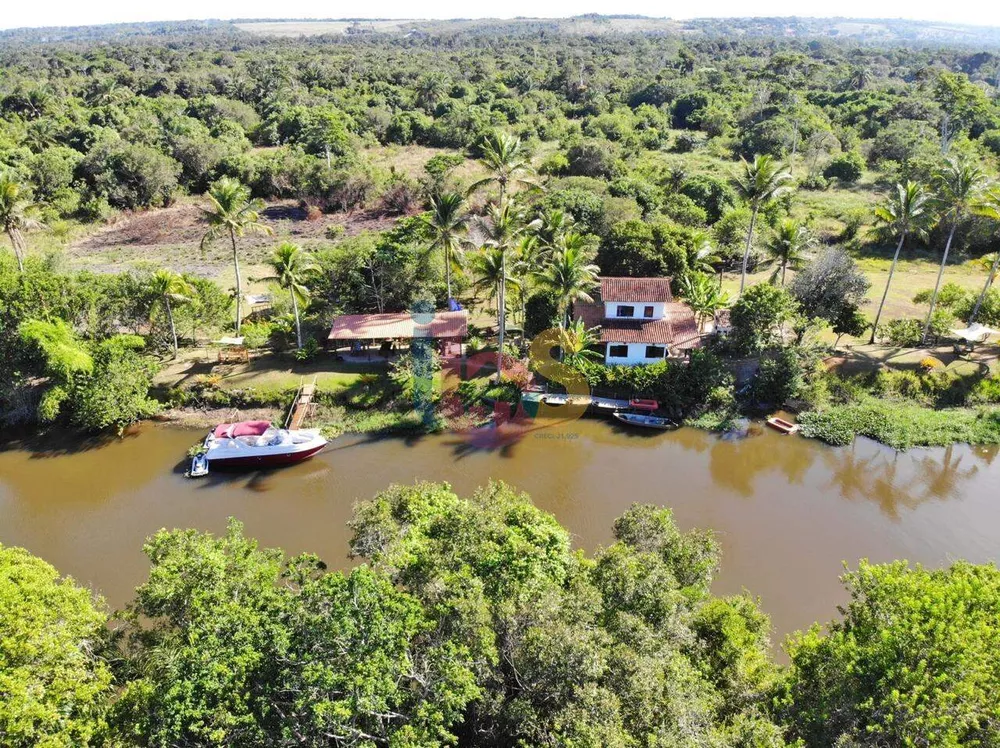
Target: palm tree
x=168, y=288
x=232, y=212
x=507, y=164
x=292, y=267
x=527, y=257
x=569, y=275
x=15, y=216
x=703, y=296
x=904, y=213
x=447, y=222
x=503, y=228
x=762, y=181
x=787, y=248
x=551, y=225
x=989, y=207
x=576, y=343
x=959, y=184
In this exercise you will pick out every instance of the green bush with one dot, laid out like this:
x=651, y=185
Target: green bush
x=904, y=333
x=901, y=425
x=846, y=167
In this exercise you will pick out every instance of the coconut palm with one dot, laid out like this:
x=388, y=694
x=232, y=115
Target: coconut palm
x=526, y=259
x=988, y=207
x=232, y=212
x=448, y=224
x=577, y=342
x=703, y=296
x=906, y=212
x=569, y=275
x=762, y=181
x=292, y=267
x=958, y=184
x=503, y=227
x=16, y=216
x=507, y=164
x=551, y=225
x=786, y=248
x=168, y=288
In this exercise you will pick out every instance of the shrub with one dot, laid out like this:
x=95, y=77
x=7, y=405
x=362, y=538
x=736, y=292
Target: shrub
x=592, y=158
x=846, y=167
x=555, y=164
x=904, y=333
x=778, y=379
x=257, y=334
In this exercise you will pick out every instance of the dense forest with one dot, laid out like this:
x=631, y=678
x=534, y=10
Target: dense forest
x=816, y=188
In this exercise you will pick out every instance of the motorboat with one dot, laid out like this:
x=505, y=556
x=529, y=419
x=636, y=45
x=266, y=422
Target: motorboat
x=256, y=444
x=646, y=420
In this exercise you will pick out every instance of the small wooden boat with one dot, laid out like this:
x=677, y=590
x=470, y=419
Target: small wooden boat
x=645, y=420
x=649, y=406
x=780, y=424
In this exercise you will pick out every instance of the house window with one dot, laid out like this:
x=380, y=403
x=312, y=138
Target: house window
x=626, y=311
x=655, y=351
x=618, y=351
x=648, y=312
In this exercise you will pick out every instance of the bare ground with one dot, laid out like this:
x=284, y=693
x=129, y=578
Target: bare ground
x=171, y=237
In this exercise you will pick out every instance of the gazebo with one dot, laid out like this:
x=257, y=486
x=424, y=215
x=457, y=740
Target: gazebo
x=448, y=328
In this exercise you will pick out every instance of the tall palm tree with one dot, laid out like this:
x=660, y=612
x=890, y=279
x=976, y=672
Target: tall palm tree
x=786, y=248
x=762, y=181
x=16, y=216
x=989, y=207
x=448, y=224
x=527, y=257
x=958, y=185
x=292, y=267
x=503, y=227
x=906, y=212
x=703, y=296
x=232, y=212
x=569, y=275
x=507, y=163
x=168, y=288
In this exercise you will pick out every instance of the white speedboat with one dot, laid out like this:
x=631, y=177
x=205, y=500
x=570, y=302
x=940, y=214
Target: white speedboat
x=251, y=444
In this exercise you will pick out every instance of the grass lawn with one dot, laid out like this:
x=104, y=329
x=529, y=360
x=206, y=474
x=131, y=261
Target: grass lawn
x=264, y=372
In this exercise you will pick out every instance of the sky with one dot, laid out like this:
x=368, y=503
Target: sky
x=75, y=13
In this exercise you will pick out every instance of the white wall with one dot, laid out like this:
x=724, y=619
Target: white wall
x=611, y=309
x=636, y=355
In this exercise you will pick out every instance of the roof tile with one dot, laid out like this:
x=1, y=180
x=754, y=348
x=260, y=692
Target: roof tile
x=401, y=325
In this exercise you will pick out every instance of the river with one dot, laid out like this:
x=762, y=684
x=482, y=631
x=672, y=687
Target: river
x=788, y=511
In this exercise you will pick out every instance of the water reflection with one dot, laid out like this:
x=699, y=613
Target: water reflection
x=788, y=510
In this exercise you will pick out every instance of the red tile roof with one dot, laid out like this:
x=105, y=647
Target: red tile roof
x=402, y=325
x=636, y=289
x=677, y=329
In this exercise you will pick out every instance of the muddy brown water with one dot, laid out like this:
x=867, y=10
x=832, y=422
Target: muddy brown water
x=788, y=511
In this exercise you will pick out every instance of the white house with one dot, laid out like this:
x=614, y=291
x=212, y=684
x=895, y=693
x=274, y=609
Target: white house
x=639, y=321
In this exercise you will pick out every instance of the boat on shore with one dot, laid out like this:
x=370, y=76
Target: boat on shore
x=255, y=444
x=783, y=426
x=645, y=420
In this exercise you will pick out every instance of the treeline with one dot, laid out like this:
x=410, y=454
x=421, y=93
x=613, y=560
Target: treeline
x=472, y=622
x=125, y=126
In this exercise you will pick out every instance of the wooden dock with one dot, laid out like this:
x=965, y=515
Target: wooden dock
x=300, y=406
